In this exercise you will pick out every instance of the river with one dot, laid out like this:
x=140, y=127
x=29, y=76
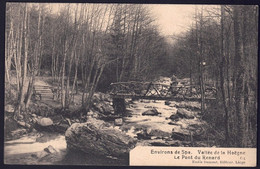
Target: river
x=26, y=150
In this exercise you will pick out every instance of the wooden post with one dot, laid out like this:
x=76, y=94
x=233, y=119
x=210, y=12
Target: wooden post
x=119, y=105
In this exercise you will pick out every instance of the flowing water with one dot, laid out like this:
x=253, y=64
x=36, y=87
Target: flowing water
x=21, y=151
x=25, y=149
x=160, y=123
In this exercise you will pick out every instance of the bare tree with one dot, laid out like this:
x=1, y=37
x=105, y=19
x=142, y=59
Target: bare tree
x=24, y=37
x=200, y=45
x=239, y=75
x=222, y=76
x=36, y=56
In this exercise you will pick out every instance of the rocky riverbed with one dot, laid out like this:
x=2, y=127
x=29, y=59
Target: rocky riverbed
x=150, y=123
x=157, y=123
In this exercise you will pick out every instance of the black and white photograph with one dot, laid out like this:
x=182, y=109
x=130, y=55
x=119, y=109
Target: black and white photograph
x=87, y=83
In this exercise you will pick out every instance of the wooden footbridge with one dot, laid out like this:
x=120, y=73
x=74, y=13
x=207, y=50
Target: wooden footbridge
x=157, y=91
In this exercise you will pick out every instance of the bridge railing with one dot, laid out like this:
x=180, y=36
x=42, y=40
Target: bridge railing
x=158, y=90
x=128, y=88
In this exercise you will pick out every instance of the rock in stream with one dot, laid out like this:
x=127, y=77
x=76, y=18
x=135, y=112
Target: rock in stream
x=99, y=138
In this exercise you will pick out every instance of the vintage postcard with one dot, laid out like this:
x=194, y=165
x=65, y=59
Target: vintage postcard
x=130, y=84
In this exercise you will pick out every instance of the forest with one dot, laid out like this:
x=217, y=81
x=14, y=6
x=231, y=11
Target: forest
x=83, y=48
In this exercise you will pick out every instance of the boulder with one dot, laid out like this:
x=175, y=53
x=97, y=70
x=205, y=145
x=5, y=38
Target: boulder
x=172, y=123
x=144, y=135
x=44, y=122
x=50, y=149
x=103, y=107
x=189, y=105
x=146, y=101
x=133, y=106
x=152, y=133
x=161, y=144
x=33, y=115
x=9, y=108
x=174, y=117
x=109, y=117
x=167, y=102
x=105, y=97
x=17, y=133
x=193, y=132
x=61, y=124
x=151, y=112
x=47, y=156
x=180, y=136
x=183, y=113
x=61, y=127
x=98, y=97
x=40, y=154
x=159, y=133
x=90, y=113
x=24, y=124
x=198, y=131
x=119, y=122
x=99, y=138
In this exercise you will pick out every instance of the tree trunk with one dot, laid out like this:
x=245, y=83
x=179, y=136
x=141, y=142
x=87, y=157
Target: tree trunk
x=63, y=79
x=201, y=67
x=24, y=74
x=222, y=78
x=240, y=73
